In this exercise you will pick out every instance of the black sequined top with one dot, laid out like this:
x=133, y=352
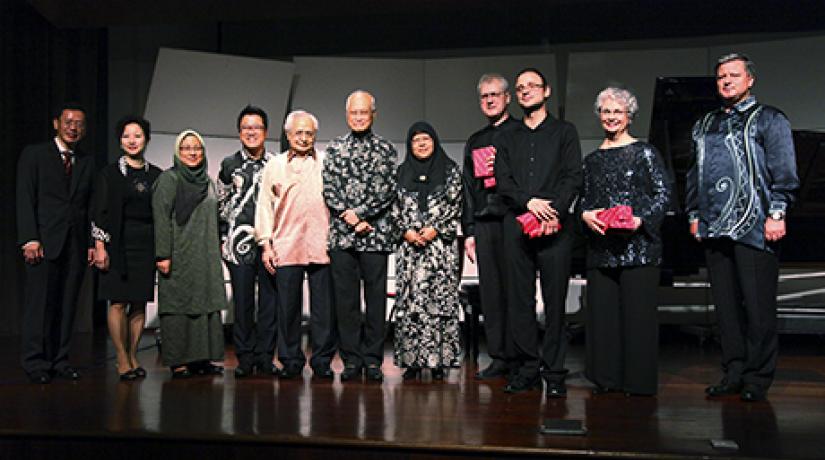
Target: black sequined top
x=632, y=175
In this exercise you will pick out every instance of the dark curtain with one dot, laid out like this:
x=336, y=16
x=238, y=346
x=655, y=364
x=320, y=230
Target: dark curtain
x=42, y=66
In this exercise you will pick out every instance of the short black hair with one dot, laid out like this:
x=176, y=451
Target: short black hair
x=67, y=105
x=138, y=120
x=252, y=110
x=535, y=71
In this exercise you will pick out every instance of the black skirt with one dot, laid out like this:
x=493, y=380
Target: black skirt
x=137, y=282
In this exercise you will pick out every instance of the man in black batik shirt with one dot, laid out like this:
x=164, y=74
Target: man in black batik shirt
x=239, y=179
x=481, y=224
x=359, y=189
x=538, y=170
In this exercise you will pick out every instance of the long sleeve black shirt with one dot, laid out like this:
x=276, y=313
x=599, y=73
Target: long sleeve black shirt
x=481, y=203
x=544, y=162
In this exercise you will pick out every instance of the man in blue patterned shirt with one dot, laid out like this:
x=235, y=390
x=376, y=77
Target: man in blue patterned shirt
x=359, y=188
x=239, y=179
x=738, y=192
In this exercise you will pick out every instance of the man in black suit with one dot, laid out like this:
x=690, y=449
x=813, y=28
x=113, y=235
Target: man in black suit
x=54, y=183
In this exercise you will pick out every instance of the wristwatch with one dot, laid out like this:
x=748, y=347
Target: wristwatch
x=778, y=215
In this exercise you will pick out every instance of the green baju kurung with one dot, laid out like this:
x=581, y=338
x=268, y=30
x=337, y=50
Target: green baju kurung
x=192, y=295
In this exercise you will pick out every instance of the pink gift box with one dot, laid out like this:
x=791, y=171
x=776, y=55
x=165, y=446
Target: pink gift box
x=531, y=226
x=489, y=182
x=480, y=157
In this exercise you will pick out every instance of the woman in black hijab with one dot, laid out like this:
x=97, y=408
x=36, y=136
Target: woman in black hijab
x=427, y=214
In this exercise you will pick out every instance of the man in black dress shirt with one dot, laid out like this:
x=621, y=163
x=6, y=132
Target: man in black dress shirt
x=54, y=183
x=481, y=224
x=538, y=170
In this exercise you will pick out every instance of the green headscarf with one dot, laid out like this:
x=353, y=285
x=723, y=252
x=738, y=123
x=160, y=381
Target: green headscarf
x=193, y=183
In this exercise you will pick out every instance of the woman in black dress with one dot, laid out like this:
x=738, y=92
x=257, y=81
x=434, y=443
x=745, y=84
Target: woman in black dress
x=124, y=242
x=623, y=265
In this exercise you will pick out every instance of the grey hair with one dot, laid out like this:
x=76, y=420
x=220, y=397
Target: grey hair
x=290, y=119
x=749, y=65
x=359, y=92
x=622, y=96
x=490, y=77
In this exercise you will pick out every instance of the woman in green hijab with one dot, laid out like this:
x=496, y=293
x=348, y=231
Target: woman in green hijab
x=191, y=290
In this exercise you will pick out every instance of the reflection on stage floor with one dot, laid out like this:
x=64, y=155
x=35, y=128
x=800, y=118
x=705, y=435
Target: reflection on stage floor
x=423, y=419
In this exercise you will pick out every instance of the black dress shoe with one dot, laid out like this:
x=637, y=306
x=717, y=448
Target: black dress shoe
x=723, y=389
x=140, y=372
x=207, y=368
x=600, y=390
x=374, y=373
x=324, y=373
x=521, y=383
x=40, y=377
x=411, y=373
x=494, y=370
x=128, y=376
x=556, y=390
x=438, y=373
x=68, y=373
x=752, y=394
x=242, y=371
x=350, y=372
x=292, y=372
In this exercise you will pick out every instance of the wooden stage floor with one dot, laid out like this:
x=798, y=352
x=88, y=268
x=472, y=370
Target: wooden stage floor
x=260, y=417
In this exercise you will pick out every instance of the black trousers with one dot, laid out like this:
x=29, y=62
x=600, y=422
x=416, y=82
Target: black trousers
x=551, y=257
x=52, y=288
x=290, y=281
x=622, y=328
x=254, y=342
x=744, y=283
x=360, y=346
x=492, y=263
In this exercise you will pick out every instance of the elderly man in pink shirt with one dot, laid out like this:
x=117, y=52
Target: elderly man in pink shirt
x=292, y=225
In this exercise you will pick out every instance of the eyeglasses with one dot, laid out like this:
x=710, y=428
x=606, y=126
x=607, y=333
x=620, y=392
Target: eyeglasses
x=529, y=87
x=612, y=112
x=483, y=96
x=252, y=127
x=188, y=148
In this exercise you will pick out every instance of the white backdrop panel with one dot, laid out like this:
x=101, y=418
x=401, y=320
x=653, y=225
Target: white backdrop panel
x=788, y=75
x=323, y=84
x=635, y=70
x=451, y=97
x=206, y=91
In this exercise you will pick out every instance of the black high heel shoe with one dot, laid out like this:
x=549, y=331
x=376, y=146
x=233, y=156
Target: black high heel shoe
x=139, y=372
x=128, y=376
x=411, y=373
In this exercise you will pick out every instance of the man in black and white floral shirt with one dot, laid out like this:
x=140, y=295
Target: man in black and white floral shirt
x=238, y=180
x=359, y=188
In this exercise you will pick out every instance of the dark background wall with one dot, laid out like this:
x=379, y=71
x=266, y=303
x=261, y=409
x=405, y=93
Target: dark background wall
x=41, y=66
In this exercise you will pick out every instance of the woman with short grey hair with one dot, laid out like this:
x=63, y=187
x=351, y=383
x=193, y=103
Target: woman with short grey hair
x=626, y=192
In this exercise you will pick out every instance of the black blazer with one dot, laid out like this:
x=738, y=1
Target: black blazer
x=50, y=205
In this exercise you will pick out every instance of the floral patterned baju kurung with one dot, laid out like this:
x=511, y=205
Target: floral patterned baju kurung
x=427, y=279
